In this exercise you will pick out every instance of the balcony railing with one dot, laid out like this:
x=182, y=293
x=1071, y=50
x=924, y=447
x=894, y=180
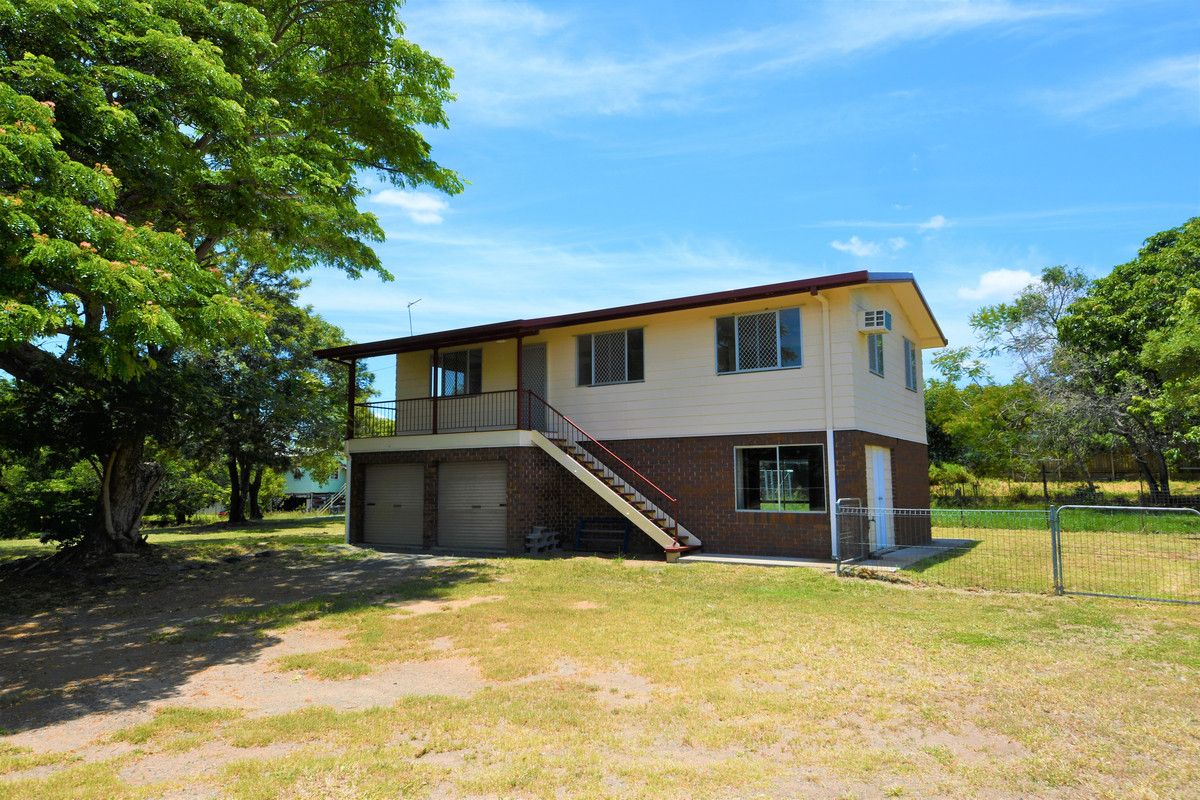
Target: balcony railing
x=489, y=411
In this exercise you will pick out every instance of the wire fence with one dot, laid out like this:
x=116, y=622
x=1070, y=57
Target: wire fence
x=1141, y=553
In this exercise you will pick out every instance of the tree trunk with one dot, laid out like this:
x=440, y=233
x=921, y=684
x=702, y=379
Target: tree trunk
x=255, y=486
x=127, y=486
x=237, y=500
x=1164, y=476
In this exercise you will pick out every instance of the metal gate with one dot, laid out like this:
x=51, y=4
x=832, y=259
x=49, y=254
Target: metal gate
x=1140, y=553
x=1108, y=551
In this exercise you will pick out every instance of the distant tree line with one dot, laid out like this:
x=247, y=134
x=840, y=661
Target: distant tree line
x=1100, y=364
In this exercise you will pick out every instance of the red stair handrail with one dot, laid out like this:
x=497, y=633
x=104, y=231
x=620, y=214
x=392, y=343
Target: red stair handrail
x=600, y=444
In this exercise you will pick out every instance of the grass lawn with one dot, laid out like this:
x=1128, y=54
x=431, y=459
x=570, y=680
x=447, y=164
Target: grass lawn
x=324, y=673
x=1144, y=555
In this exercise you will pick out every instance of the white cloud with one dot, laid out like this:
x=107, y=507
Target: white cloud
x=518, y=64
x=897, y=243
x=422, y=208
x=997, y=284
x=934, y=223
x=1146, y=94
x=856, y=246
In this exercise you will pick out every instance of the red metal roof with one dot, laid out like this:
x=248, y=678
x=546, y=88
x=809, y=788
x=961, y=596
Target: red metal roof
x=529, y=327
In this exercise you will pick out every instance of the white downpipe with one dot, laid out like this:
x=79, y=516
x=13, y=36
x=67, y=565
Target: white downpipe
x=830, y=455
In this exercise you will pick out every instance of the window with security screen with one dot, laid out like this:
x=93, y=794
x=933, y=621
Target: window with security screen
x=753, y=342
x=612, y=357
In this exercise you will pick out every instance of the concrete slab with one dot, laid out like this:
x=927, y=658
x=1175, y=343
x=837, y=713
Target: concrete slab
x=905, y=557
x=756, y=561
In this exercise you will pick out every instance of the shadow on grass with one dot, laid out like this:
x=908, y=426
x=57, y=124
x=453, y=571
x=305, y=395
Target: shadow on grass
x=258, y=526
x=138, y=640
x=942, y=556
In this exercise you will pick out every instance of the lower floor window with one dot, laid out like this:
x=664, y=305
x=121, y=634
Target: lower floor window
x=782, y=478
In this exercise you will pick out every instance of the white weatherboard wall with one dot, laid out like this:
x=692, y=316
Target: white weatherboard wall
x=682, y=394
x=884, y=405
x=499, y=369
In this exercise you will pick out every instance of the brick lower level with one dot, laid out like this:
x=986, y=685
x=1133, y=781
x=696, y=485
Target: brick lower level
x=698, y=471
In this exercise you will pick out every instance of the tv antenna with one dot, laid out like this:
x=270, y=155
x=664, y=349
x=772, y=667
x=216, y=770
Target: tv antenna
x=410, y=305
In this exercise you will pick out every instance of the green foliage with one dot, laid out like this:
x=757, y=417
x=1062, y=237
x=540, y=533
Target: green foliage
x=120, y=292
x=188, y=486
x=950, y=474
x=1137, y=330
x=37, y=499
x=1173, y=354
x=150, y=152
x=984, y=425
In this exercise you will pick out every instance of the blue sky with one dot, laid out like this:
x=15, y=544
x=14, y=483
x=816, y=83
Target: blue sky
x=620, y=152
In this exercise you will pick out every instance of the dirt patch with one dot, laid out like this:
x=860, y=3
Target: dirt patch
x=585, y=605
x=418, y=607
x=264, y=692
x=619, y=687
x=501, y=627
x=207, y=758
x=452, y=759
x=971, y=744
x=442, y=643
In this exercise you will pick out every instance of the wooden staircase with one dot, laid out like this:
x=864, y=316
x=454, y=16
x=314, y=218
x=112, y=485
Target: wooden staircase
x=580, y=454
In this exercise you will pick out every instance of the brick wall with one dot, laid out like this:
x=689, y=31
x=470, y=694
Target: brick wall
x=534, y=488
x=910, y=477
x=698, y=471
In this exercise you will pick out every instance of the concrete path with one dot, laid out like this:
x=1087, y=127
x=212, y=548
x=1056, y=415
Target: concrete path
x=905, y=557
x=756, y=561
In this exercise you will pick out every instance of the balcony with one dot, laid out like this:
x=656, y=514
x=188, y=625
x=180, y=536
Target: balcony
x=488, y=411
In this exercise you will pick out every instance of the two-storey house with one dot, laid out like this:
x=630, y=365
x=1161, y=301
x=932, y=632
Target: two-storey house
x=731, y=421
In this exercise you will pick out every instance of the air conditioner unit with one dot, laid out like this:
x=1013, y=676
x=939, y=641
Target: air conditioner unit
x=878, y=321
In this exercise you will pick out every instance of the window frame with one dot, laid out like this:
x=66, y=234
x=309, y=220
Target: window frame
x=437, y=378
x=910, y=365
x=871, y=348
x=777, y=447
x=779, y=365
x=591, y=337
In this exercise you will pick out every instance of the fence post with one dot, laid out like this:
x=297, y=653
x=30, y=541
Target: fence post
x=1056, y=549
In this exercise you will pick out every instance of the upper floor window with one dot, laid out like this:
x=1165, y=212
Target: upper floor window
x=910, y=365
x=768, y=340
x=875, y=353
x=612, y=357
x=458, y=373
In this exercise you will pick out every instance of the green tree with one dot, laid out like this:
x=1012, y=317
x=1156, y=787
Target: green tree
x=148, y=149
x=1135, y=357
x=271, y=405
x=1060, y=419
x=975, y=421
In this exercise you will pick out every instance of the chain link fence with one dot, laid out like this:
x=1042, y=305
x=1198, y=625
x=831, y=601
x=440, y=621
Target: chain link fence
x=1140, y=553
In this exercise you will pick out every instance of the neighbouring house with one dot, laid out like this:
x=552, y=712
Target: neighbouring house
x=731, y=421
x=301, y=489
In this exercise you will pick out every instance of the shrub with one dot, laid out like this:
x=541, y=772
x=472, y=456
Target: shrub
x=49, y=503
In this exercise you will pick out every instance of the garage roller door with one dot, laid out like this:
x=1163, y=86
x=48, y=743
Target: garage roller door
x=472, y=505
x=395, y=505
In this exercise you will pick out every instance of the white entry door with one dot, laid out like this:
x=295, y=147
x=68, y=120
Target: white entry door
x=879, y=496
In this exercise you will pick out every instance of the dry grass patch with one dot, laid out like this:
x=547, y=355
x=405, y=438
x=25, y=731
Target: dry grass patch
x=698, y=681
